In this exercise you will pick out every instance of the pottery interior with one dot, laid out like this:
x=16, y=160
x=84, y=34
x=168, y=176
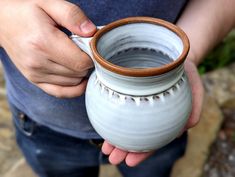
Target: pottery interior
x=140, y=45
x=138, y=113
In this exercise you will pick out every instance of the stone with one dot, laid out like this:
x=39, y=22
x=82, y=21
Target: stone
x=232, y=68
x=199, y=141
x=20, y=169
x=109, y=171
x=229, y=104
x=220, y=84
x=222, y=152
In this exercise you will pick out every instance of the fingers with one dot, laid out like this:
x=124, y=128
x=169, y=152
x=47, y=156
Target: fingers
x=45, y=71
x=58, y=46
x=197, y=93
x=60, y=80
x=69, y=16
x=65, y=52
x=133, y=159
x=116, y=155
x=62, y=91
x=53, y=68
x=107, y=148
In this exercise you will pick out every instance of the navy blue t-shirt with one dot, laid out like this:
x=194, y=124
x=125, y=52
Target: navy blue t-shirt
x=69, y=115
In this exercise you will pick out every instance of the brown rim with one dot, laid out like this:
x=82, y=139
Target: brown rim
x=145, y=71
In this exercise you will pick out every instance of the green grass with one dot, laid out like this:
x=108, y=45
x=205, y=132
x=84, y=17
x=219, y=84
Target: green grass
x=221, y=56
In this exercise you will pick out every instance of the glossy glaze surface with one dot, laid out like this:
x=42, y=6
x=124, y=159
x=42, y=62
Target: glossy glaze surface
x=138, y=123
x=139, y=97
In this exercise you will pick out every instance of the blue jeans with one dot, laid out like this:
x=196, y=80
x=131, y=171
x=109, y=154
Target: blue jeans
x=52, y=154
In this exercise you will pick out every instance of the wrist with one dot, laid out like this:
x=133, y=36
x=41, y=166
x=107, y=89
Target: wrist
x=192, y=56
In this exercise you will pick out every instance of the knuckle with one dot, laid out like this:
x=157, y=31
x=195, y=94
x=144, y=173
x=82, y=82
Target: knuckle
x=37, y=42
x=86, y=58
x=58, y=34
x=31, y=77
x=78, y=67
x=32, y=64
x=76, y=82
x=88, y=62
x=73, y=12
x=84, y=63
x=84, y=74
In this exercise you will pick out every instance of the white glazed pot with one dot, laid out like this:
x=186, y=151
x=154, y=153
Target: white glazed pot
x=137, y=99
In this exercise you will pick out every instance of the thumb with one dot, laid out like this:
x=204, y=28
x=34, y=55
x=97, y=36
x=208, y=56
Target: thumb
x=70, y=16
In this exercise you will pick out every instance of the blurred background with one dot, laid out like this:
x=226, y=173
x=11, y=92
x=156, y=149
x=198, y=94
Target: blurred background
x=211, y=144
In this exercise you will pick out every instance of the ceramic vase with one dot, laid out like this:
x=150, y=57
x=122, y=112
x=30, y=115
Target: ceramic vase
x=138, y=98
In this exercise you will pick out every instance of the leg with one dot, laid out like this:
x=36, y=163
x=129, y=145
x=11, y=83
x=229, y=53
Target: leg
x=53, y=154
x=160, y=163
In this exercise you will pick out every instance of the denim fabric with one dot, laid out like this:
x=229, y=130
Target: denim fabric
x=52, y=154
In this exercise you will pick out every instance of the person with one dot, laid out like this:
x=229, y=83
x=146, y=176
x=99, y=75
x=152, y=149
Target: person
x=46, y=76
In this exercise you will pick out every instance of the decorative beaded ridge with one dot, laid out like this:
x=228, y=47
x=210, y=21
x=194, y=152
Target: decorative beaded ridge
x=140, y=48
x=152, y=57
x=138, y=99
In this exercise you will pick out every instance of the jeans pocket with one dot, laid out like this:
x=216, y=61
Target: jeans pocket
x=23, y=123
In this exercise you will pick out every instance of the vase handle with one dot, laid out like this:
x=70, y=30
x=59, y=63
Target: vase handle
x=84, y=42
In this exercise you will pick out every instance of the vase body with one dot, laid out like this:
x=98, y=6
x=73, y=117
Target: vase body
x=138, y=122
x=138, y=98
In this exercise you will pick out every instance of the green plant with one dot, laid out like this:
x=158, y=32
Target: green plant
x=221, y=56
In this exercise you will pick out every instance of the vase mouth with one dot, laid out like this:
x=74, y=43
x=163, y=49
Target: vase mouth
x=140, y=72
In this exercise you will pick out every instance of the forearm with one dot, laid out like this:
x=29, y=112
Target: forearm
x=206, y=22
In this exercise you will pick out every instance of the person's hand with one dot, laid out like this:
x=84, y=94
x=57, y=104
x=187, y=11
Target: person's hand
x=117, y=155
x=197, y=93
x=29, y=32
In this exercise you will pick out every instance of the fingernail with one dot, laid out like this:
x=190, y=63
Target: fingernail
x=87, y=27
